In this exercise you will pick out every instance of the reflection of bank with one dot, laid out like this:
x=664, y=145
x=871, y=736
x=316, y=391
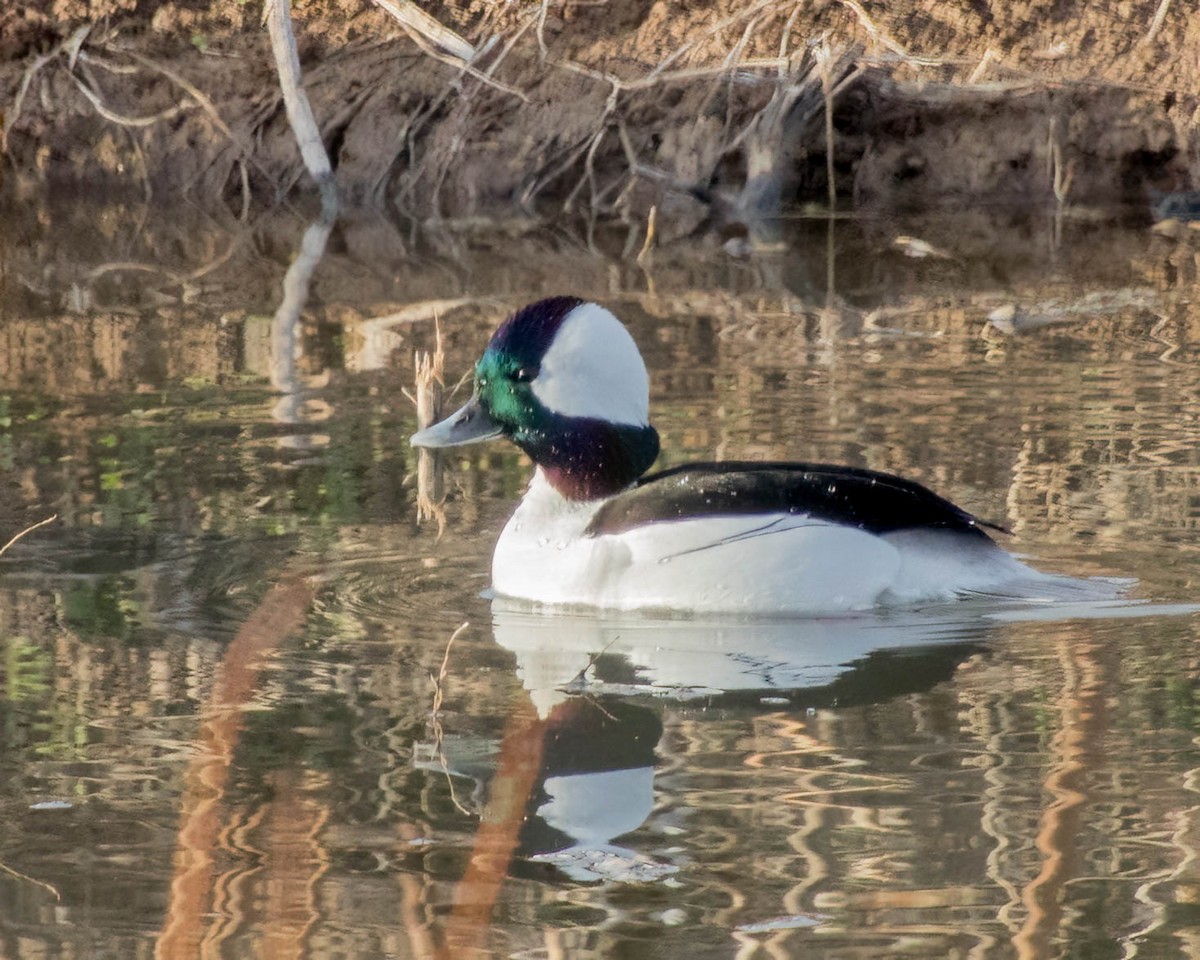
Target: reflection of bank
x=597, y=685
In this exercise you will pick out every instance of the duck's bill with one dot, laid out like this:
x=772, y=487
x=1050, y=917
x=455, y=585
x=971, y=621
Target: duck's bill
x=469, y=424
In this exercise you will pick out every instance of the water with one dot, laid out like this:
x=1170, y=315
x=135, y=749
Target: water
x=221, y=660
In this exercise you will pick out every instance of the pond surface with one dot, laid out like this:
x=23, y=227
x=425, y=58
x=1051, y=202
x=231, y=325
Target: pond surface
x=221, y=661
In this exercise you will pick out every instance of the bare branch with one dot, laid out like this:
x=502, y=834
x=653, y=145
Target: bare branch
x=1156, y=24
x=121, y=119
x=415, y=20
x=299, y=111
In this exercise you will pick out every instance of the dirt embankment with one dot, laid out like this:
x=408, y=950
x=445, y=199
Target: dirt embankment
x=609, y=107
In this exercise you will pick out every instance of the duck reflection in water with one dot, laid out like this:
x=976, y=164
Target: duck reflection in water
x=600, y=700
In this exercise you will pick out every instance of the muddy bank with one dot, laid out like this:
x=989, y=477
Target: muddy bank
x=605, y=110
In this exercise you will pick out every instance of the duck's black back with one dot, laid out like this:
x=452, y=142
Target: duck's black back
x=866, y=499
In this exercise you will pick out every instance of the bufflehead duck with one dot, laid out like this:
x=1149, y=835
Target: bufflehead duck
x=563, y=379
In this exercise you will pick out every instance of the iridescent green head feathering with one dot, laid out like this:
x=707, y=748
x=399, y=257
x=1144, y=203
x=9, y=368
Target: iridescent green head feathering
x=564, y=380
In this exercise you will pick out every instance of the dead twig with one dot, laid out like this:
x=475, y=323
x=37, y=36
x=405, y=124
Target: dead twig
x=244, y=174
x=120, y=119
x=660, y=79
x=423, y=115
x=989, y=55
x=27, y=530
x=545, y=179
x=429, y=35
x=130, y=266
x=824, y=58
x=648, y=246
x=718, y=27
x=440, y=680
x=71, y=47
x=198, y=95
x=785, y=38
x=660, y=74
x=882, y=38
x=295, y=101
x=429, y=380
x=1156, y=24
x=442, y=762
x=414, y=20
x=508, y=47
x=541, y=29
x=428, y=399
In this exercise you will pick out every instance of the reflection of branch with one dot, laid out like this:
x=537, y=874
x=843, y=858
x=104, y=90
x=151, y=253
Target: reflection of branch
x=581, y=677
x=40, y=523
x=438, y=692
x=294, y=860
x=285, y=325
x=440, y=679
x=1082, y=713
x=5, y=868
x=281, y=613
x=14, y=113
x=496, y=839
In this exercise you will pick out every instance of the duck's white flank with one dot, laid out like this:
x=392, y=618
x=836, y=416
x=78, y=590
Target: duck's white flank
x=783, y=563
x=593, y=369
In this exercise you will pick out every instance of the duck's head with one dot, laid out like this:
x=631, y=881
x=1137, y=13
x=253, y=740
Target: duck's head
x=563, y=379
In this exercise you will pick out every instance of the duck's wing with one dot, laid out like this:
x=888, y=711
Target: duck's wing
x=864, y=499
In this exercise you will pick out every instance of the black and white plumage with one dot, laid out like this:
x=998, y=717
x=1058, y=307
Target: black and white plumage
x=876, y=502
x=564, y=380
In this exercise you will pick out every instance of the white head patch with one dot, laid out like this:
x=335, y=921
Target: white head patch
x=593, y=369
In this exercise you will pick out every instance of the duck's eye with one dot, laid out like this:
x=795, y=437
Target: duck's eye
x=525, y=374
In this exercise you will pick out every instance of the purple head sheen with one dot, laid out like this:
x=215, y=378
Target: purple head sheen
x=528, y=333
